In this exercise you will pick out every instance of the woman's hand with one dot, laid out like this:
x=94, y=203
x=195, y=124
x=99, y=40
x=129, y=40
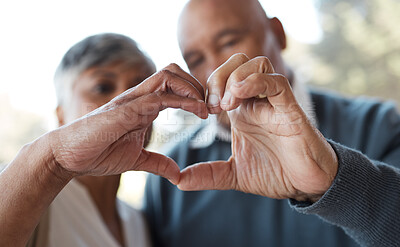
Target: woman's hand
x=110, y=139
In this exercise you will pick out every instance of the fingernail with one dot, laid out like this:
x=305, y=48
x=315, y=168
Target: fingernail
x=226, y=100
x=213, y=100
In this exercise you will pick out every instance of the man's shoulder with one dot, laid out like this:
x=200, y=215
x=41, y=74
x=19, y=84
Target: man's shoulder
x=367, y=124
x=325, y=96
x=334, y=105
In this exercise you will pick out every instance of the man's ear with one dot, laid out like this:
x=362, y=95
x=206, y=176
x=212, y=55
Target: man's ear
x=60, y=116
x=279, y=32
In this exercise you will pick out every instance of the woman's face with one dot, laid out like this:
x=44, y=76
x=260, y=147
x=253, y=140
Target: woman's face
x=98, y=85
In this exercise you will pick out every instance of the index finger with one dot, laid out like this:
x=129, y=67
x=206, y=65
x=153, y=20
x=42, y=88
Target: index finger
x=217, y=81
x=171, y=79
x=256, y=65
x=174, y=68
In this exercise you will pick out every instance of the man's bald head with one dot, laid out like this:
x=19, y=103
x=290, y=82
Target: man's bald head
x=210, y=31
x=248, y=10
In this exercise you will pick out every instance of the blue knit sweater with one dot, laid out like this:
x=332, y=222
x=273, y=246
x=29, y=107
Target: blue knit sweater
x=361, y=207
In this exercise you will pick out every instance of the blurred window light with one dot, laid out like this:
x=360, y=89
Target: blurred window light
x=299, y=18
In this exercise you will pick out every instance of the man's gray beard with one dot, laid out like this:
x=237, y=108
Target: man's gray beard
x=303, y=97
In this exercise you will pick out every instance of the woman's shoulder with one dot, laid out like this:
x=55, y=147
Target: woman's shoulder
x=134, y=224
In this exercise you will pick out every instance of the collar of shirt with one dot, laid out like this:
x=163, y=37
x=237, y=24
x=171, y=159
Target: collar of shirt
x=76, y=221
x=208, y=131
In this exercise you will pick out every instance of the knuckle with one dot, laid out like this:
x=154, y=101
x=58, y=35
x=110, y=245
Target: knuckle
x=151, y=103
x=241, y=57
x=258, y=77
x=165, y=73
x=264, y=63
x=173, y=67
x=220, y=76
x=236, y=77
x=164, y=78
x=281, y=79
x=116, y=102
x=215, y=79
x=158, y=95
x=129, y=112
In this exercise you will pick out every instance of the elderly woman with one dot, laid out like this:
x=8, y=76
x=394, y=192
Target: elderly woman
x=87, y=212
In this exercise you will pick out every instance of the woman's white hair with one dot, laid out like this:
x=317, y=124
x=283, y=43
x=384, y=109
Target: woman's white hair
x=97, y=50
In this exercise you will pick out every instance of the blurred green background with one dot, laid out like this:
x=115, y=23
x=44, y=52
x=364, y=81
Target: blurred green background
x=359, y=53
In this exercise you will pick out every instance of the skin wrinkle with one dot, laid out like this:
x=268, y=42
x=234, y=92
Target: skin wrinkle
x=325, y=170
x=165, y=168
x=193, y=81
x=243, y=119
x=227, y=177
x=273, y=160
x=295, y=130
x=89, y=151
x=233, y=160
x=251, y=173
x=263, y=67
x=215, y=180
x=120, y=145
x=170, y=80
x=60, y=151
x=128, y=113
x=288, y=185
x=158, y=167
x=233, y=177
x=181, y=104
x=55, y=166
x=306, y=154
x=244, y=89
x=142, y=159
x=100, y=159
x=278, y=172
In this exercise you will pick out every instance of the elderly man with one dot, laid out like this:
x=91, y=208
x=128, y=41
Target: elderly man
x=275, y=149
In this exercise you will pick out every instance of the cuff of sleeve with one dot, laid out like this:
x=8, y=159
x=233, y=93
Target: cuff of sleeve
x=363, y=199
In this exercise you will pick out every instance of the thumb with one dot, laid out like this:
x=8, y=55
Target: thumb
x=216, y=175
x=158, y=164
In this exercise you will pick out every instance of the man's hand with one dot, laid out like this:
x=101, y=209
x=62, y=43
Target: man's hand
x=276, y=151
x=110, y=139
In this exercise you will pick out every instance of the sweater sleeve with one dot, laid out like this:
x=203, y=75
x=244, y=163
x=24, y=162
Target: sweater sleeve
x=364, y=199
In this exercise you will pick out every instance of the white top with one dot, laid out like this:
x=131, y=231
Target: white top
x=75, y=221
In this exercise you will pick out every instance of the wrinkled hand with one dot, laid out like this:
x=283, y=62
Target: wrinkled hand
x=110, y=139
x=276, y=151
